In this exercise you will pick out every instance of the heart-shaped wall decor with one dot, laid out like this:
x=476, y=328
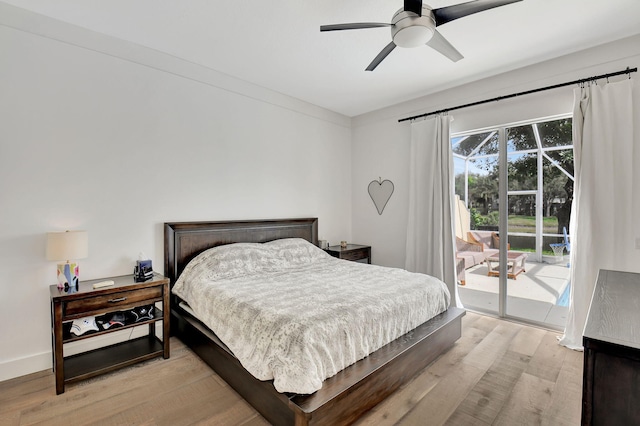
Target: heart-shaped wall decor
x=380, y=192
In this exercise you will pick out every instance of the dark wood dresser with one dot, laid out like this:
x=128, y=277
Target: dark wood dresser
x=611, y=380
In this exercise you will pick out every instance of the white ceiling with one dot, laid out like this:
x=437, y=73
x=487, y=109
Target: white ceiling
x=278, y=45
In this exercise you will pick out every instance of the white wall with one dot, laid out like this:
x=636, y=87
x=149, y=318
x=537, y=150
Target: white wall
x=110, y=137
x=380, y=145
x=103, y=135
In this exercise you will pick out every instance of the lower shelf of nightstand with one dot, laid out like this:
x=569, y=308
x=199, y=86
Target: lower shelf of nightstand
x=103, y=360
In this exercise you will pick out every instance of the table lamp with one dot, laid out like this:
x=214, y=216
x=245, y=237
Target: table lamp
x=69, y=245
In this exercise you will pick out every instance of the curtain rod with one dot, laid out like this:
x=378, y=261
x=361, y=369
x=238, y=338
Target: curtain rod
x=528, y=92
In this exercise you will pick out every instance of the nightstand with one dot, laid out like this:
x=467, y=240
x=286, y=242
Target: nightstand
x=354, y=252
x=85, y=301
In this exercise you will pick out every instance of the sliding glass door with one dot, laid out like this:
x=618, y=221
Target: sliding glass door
x=526, y=276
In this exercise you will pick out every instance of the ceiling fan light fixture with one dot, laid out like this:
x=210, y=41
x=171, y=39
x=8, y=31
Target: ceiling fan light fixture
x=415, y=25
x=413, y=36
x=411, y=30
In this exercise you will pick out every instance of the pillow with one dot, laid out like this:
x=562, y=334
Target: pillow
x=296, y=251
x=230, y=260
x=240, y=259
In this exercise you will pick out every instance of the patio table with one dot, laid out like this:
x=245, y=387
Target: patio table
x=515, y=264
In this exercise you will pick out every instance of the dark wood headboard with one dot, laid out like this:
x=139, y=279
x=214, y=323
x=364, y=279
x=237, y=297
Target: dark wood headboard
x=185, y=240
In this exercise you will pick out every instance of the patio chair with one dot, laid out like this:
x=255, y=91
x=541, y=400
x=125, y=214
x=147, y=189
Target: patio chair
x=489, y=240
x=467, y=255
x=558, y=248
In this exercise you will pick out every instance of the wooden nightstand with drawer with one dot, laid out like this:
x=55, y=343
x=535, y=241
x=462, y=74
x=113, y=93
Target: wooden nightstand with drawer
x=125, y=296
x=353, y=252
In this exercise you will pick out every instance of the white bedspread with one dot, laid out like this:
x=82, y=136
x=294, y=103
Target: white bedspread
x=292, y=313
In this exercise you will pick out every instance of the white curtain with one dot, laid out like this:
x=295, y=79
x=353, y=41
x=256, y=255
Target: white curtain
x=601, y=214
x=430, y=228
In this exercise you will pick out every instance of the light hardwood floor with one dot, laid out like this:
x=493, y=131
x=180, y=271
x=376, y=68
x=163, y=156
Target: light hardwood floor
x=498, y=373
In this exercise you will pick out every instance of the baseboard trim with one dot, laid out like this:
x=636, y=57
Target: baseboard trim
x=44, y=361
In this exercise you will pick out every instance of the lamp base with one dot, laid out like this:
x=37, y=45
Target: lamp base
x=68, y=274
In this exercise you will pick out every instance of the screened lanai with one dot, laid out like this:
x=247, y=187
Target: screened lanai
x=539, y=182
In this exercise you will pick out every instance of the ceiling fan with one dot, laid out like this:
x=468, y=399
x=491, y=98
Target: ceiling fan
x=415, y=25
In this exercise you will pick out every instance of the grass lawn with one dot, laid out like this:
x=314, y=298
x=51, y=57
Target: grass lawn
x=528, y=224
x=530, y=250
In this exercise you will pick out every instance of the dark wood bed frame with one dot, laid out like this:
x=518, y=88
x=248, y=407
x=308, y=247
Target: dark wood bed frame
x=342, y=398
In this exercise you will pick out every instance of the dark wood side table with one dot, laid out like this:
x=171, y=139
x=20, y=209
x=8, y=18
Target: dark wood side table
x=611, y=375
x=353, y=252
x=85, y=301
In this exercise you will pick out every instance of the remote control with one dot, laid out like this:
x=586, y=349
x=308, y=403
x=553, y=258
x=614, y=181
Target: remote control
x=103, y=284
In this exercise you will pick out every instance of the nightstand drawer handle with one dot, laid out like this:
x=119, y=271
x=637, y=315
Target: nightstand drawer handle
x=120, y=299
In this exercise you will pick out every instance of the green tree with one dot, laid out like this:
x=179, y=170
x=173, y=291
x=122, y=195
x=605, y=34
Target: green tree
x=522, y=173
x=483, y=189
x=557, y=185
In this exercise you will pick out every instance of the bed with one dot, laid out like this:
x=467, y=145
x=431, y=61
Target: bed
x=343, y=397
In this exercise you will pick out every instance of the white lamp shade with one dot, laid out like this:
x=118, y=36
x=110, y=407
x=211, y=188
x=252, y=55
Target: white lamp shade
x=67, y=245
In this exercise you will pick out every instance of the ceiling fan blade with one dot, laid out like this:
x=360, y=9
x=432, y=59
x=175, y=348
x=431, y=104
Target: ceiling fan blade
x=414, y=6
x=439, y=43
x=383, y=54
x=449, y=13
x=353, y=26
